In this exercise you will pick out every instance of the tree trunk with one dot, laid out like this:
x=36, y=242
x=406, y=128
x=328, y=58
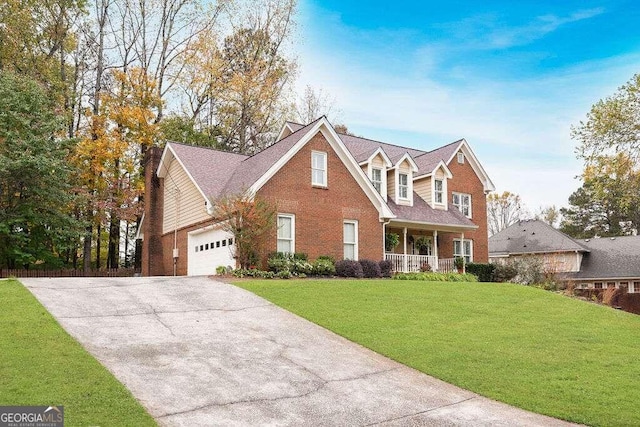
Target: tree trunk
x=98, y=244
x=126, y=246
x=114, y=243
x=86, y=252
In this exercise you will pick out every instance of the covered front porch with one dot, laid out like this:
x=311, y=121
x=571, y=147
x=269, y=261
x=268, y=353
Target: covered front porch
x=424, y=247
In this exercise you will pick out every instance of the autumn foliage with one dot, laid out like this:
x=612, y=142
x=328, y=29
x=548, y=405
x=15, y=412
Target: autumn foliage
x=251, y=220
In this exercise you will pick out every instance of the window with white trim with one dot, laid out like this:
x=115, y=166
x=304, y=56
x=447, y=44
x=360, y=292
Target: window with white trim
x=403, y=186
x=634, y=287
x=376, y=179
x=438, y=187
x=286, y=233
x=597, y=285
x=460, y=157
x=462, y=202
x=350, y=239
x=463, y=248
x=319, y=168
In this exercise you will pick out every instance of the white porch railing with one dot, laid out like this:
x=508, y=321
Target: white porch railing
x=445, y=265
x=409, y=263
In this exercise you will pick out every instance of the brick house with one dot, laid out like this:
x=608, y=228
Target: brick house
x=335, y=194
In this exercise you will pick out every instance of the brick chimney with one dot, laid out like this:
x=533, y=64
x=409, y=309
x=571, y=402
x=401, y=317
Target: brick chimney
x=152, y=251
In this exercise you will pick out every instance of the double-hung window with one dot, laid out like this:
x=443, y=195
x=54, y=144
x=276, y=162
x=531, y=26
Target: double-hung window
x=463, y=203
x=403, y=185
x=376, y=179
x=286, y=233
x=319, y=168
x=350, y=239
x=463, y=248
x=438, y=189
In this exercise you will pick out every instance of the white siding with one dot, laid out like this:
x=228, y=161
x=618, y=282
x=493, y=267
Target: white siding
x=423, y=188
x=563, y=262
x=391, y=184
x=188, y=202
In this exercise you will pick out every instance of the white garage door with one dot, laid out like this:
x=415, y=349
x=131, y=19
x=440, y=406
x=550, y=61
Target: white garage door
x=208, y=250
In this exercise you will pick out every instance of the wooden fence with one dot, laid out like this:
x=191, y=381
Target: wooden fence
x=120, y=272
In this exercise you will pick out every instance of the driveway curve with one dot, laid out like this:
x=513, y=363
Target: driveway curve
x=197, y=352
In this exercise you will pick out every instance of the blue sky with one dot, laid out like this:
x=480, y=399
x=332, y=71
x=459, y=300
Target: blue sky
x=510, y=77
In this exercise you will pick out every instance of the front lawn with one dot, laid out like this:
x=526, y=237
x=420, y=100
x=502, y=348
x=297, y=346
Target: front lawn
x=524, y=346
x=42, y=365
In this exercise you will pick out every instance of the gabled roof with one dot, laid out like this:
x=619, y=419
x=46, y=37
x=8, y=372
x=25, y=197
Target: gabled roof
x=421, y=211
x=610, y=257
x=532, y=236
x=363, y=148
x=428, y=162
x=209, y=169
x=216, y=173
x=254, y=167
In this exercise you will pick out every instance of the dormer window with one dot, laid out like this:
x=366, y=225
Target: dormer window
x=376, y=179
x=319, y=168
x=403, y=186
x=438, y=191
x=460, y=157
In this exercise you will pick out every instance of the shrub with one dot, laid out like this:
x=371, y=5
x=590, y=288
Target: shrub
x=221, y=270
x=504, y=273
x=259, y=274
x=323, y=267
x=370, y=269
x=386, y=268
x=327, y=258
x=484, y=272
x=296, y=264
x=284, y=274
x=425, y=267
x=300, y=256
x=302, y=267
x=349, y=268
x=437, y=277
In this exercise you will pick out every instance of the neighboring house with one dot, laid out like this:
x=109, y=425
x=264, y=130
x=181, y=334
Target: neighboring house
x=595, y=263
x=335, y=194
x=533, y=238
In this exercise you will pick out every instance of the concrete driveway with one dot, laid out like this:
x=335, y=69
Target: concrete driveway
x=196, y=352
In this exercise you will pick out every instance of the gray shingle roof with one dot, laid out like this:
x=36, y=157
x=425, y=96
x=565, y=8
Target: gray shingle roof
x=363, y=148
x=252, y=168
x=210, y=168
x=610, y=257
x=423, y=212
x=532, y=236
x=218, y=172
x=428, y=161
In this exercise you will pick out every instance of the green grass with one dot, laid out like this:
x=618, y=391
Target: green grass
x=40, y=364
x=531, y=348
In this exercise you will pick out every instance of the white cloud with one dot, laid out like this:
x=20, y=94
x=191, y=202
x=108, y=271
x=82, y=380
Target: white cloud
x=520, y=128
x=489, y=31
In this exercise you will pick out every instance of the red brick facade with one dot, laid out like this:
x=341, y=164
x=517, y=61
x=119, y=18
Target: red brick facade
x=466, y=181
x=320, y=212
x=153, y=244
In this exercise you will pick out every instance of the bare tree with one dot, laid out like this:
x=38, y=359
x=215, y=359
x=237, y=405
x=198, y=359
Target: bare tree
x=503, y=210
x=549, y=214
x=315, y=103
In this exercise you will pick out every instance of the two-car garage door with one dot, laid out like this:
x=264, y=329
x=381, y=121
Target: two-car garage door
x=208, y=249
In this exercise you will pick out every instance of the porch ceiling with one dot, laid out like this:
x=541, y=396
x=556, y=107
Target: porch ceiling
x=418, y=225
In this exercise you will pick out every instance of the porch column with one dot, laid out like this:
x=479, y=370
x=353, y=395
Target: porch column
x=464, y=260
x=404, y=258
x=435, y=249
